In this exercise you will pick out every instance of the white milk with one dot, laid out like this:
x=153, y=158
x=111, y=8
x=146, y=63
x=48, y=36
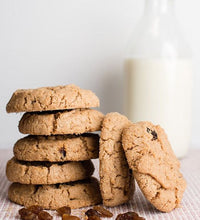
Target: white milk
x=159, y=90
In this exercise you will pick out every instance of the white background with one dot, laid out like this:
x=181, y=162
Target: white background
x=46, y=43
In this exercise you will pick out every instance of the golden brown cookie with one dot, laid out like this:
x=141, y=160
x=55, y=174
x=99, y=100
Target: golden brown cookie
x=46, y=172
x=116, y=181
x=57, y=148
x=75, y=195
x=51, y=98
x=76, y=121
x=154, y=165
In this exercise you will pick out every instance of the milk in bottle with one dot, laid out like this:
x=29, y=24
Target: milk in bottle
x=158, y=75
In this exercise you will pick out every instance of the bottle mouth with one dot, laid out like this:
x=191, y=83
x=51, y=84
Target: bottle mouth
x=159, y=6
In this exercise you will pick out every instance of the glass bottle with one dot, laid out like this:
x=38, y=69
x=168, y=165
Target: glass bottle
x=158, y=74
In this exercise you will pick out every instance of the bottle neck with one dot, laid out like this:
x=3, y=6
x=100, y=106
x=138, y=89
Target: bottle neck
x=159, y=7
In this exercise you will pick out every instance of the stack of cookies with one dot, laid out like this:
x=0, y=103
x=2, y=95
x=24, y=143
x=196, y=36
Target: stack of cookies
x=52, y=166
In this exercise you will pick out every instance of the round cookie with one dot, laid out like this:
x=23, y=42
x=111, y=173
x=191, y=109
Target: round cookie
x=57, y=148
x=76, y=121
x=154, y=165
x=46, y=172
x=116, y=181
x=75, y=195
x=51, y=98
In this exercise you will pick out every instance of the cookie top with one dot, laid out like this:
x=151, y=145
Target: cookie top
x=51, y=98
x=154, y=165
x=116, y=182
x=46, y=172
x=57, y=148
x=76, y=121
x=75, y=195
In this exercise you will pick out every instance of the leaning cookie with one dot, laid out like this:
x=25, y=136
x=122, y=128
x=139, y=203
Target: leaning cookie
x=76, y=121
x=57, y=148
x=75, y=195
x=51, y=98
x=46, y=172
x=154, y=165
x=116, y=181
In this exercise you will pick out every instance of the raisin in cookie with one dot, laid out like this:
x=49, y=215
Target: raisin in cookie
x=76, y=121
x=75, y=195
x=46, y=172
x=51, y=98
x=154, y=165
x=57, y=148
x=115, y=177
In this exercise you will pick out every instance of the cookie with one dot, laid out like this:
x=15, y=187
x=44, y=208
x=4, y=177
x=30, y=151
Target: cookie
x=75, y=195
x=154, y=165
x=57, y=148
x=46, y=172
x=76, y=121
x=116, y=181
x=51, y=98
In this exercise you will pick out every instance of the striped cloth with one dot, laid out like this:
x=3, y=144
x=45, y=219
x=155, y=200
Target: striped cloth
x=190, y=205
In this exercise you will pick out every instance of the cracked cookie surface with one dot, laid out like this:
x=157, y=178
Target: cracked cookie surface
x=116, y=181
x=75, y=195
x=154, y=165
x=46, y=172
x=51, y=98
x=57, y=148
x=76, y=121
